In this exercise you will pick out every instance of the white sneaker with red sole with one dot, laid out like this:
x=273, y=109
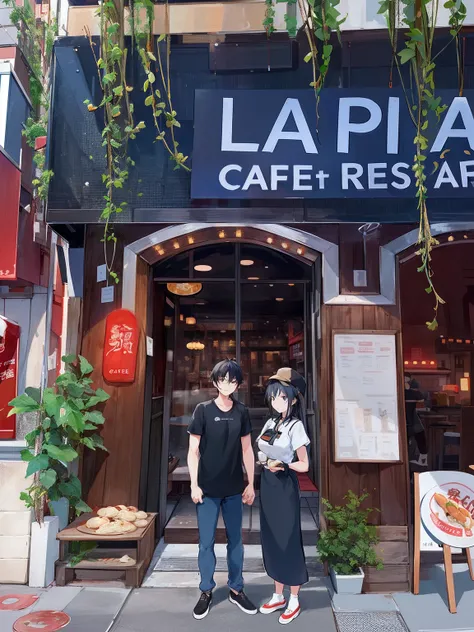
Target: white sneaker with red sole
x=272, y=606
x=289, y=615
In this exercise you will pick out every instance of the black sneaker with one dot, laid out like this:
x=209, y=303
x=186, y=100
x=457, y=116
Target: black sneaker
x=243, y=602
x=201, y=609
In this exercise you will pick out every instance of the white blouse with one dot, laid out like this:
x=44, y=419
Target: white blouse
x=293, y=436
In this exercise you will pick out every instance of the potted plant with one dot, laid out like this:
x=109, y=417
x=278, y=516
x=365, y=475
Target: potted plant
x=68, y=421
x=348, y=544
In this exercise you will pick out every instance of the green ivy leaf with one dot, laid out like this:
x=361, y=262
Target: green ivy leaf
x=85, y=367
x=34, y=393
x=69, y=359
x=149, y=100
x=162, y=37
x=23, y=404
x=37, y=463
x=52, y=403
x=82, y=507
x=151, y=77
x=27, y=456
x=63, y=453
x=406, y=54
x=95, y=416
x=48, y=478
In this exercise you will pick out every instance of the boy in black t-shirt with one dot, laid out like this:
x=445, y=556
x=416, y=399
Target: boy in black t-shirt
x=219, y=440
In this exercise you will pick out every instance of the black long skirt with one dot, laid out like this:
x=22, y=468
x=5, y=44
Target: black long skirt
x=280, y=528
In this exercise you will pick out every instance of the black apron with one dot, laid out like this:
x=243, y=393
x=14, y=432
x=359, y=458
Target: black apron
x=280, y=528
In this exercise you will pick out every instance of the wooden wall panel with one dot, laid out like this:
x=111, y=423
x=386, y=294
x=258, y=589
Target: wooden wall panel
x=386, y=484
x=113, y=478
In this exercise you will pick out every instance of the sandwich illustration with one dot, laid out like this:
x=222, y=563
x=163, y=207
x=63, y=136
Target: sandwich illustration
x=455, y=512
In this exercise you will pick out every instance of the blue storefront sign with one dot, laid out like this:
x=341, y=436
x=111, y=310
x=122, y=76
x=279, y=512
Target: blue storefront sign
x=267, y=144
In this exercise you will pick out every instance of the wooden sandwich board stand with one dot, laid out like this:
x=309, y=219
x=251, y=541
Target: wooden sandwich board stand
x=433, y=531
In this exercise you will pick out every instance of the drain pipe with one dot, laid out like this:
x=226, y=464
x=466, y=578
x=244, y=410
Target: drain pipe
x=49, y=312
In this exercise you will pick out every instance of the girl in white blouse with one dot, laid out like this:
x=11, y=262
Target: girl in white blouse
x=282, y=450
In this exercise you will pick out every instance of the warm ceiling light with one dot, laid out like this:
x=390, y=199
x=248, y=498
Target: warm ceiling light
x=195, y=346
x=238, y=233
x=432, y=362
x=406, y=362
x=184, y=289
x=176, y=245
x=190, y=240
x=415, y=361
x=300, y=251
x=423, y=362
x=221, y=234
x=159, y=250
x=466, y=237
x=253, y=279
x=284, y=245
x=451, y=238
x=291, y=284
x=269, y=240
x=168, y=321
x=279, y=299
x=190, y=320
x=247, y=262
x=271, y=284
x=203, y=268
x=181, y=318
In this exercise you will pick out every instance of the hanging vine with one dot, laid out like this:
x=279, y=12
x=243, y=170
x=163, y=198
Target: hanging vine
x=420, y=17
x=120, y=126
x=321, y=19
x=36, y=39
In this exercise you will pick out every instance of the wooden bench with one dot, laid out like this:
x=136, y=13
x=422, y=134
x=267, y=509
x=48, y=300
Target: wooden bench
x=95, y=567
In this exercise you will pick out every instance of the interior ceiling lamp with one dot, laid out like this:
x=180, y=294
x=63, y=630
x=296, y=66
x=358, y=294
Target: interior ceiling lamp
x=238, y=233
x=279, y=299
x=195, y=346
x=203, y=268
x=221, y=234
x=247, y=262
x=184, y=289
x=190, y=240
x=190, y=320
x=176, y=245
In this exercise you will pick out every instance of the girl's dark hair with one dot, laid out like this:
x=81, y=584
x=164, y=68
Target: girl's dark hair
x=227, y=367
x=274, y=388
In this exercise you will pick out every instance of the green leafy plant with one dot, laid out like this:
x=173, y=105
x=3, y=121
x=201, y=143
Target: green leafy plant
x=120, y=126
x=349, y=541
x=36, y=39
x=68, y=420
x=419, y=19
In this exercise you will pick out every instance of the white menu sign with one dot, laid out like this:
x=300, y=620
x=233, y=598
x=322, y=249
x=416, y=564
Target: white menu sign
x=365, y=397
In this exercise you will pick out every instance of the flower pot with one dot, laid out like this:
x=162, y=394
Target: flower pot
x=60, y=508
x=44, y=552
x=347, y=584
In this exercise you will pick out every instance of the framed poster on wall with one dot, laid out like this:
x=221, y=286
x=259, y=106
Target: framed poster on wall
x=366, y=409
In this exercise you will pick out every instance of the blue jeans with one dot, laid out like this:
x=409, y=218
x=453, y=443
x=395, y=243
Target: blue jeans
x=207, y=516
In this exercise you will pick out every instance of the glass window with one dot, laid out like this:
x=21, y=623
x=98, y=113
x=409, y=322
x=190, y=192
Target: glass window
x=265, y=263
x=18, y=111
x=205, y=336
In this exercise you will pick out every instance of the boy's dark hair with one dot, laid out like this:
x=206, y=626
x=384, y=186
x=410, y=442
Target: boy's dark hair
x=274, y=388
x=227, y=367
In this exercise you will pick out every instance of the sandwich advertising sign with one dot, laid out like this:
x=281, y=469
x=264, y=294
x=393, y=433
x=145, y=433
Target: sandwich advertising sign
x=446, y=510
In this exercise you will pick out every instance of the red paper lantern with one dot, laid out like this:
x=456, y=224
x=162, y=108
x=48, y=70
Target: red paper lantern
x=9, y=337
x=17, y=602
x=120, y=346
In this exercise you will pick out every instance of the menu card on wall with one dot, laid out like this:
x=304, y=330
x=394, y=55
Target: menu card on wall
x=365, y=398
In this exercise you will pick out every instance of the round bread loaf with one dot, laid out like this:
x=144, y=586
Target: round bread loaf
x=117, y=527
x=141, y=523
x=132, y=508
x=141, y=515
x=108, y=512
x=95, y=523
x=128, y=516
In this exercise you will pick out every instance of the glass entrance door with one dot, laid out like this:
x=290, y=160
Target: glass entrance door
x=250, y=304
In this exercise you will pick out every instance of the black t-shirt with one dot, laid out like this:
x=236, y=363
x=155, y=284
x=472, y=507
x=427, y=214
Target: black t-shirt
x=220, y=471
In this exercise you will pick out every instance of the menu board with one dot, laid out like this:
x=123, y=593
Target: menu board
x=365, y=397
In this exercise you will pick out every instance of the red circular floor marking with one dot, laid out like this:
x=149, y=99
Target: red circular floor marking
x=42, y=621
x=17, y=602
